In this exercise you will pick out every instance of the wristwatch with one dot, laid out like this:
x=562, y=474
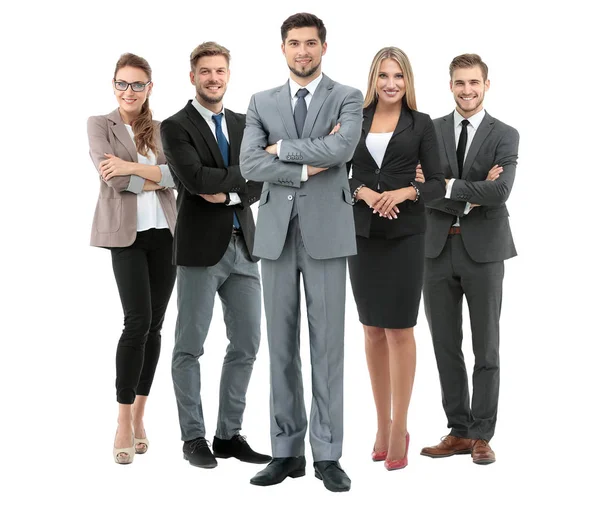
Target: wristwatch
x=227, y=199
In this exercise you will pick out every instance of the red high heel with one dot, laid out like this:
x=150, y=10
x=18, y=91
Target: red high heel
x=391, y=465
x=378, y=456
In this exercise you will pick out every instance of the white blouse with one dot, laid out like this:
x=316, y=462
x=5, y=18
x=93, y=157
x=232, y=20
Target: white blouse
x=377, y=144
x=149, y=211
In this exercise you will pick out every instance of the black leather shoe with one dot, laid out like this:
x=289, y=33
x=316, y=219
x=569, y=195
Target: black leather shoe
x=333, y=476
x=239, y=448
x=279, y=469
x=198, y=453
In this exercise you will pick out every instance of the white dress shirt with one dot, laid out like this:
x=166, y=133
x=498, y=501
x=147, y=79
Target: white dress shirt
x=149, y=211
x=474, y=123
x=207, y=116
x=294, y=88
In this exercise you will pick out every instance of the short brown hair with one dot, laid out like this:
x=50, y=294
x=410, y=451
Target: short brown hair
x=208, y=49
x=301, y=20
x=469, y=60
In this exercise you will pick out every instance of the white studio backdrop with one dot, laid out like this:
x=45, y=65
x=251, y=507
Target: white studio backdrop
x=61, y=315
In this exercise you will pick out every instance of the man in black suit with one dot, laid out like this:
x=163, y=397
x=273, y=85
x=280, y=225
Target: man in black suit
x=214, y=237
x=468, y=238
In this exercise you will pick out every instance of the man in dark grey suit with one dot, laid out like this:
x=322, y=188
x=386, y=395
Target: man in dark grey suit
x=468, y=238
x=297, y=140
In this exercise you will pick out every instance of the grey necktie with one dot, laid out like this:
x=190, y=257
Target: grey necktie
x=300, y=111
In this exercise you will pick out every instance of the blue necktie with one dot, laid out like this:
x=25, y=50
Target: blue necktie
x=224, y=148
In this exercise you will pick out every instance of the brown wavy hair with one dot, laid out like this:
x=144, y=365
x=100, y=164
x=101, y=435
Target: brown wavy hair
x=468, y=60
x=144, y=130
x=396, y=54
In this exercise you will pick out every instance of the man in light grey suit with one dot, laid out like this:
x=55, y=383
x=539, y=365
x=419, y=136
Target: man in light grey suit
x=468, y=238
x=298, y=138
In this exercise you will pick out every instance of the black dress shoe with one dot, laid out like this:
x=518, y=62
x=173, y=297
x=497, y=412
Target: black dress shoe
x=239, y=448
x=333, y=476
x=279, y=469
x=198, y=453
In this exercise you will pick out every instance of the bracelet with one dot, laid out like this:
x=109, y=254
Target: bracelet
x=418, y=192
x=354, y=195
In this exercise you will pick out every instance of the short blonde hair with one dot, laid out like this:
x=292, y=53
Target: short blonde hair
x=466, y=61
x=208, y=49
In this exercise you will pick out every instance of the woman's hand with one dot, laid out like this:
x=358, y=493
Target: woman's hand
x=371, y=198
x=113, y=166
x=386, y=205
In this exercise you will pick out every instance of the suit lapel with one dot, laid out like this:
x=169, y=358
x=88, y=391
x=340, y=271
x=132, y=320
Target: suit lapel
x=235, y=130
x=202, y=128
x=368, y=114
x=484, y=129
x=316, y=103
x=121, y=134
x=284, y=105
x=450, y=143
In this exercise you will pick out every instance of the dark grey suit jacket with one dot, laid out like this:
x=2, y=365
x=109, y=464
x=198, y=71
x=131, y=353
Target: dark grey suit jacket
x=485, y=230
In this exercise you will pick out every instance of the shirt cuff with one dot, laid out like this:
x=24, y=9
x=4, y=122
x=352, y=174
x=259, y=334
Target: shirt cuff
x=449, y=188
x=136, y=184
x=234, y=199
x=166, y=181
x=304, y=177
x=279, y=147
x=468, y=208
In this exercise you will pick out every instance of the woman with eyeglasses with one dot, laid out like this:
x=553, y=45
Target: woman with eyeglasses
x=135, y=219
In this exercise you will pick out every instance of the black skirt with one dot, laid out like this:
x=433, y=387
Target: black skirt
x=387, y=279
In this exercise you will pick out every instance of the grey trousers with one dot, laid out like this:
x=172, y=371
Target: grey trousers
x=236, y=279
x=447, y=278
x=325, y=288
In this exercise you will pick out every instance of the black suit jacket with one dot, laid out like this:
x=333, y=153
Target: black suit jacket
x=203, y=230
x=413, y=141
x=485, y=230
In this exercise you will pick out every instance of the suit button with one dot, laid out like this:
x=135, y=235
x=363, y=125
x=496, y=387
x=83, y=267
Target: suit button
x=377, y=171
x=290, y=197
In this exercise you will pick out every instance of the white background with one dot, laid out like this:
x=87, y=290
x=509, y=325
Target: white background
x=61, y=315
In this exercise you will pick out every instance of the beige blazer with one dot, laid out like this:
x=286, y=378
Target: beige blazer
x=115, y=219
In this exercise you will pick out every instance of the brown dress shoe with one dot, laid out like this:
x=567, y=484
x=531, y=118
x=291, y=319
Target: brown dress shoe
x=482, y=452
x=450, y=445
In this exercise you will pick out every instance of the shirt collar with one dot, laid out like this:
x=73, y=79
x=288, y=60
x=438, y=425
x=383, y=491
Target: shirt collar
x=205, y=112
x=474, y=120
x=311, y=87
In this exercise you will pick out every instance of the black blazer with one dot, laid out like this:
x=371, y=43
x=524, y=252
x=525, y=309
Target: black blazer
x=203, y=230
x=413, y=141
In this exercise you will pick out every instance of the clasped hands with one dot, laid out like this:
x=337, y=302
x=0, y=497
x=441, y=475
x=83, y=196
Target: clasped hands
x=312, y=170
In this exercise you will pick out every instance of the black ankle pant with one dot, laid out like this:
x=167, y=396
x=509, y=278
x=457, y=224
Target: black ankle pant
x=145, y=278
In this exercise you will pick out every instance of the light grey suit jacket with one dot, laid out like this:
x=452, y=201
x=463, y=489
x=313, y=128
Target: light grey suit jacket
x=115, y=218
x=324, y=201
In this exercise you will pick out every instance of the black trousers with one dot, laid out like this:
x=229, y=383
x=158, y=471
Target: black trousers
x=449, y=277
x=145, y=277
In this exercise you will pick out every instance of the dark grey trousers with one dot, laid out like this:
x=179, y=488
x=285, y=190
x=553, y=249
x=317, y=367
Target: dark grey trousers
x=449, y=277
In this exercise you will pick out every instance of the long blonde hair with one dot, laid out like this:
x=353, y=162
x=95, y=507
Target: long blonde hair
x=400, y=57
x=143, y=127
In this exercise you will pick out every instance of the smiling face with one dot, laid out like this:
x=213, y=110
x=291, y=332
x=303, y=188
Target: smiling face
x=469, y=88
x=210, y=79
x=390, y=82
x=130, y=102
x=303, y=51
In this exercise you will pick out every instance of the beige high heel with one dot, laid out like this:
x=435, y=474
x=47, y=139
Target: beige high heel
x=124, y=455
x=141, y=445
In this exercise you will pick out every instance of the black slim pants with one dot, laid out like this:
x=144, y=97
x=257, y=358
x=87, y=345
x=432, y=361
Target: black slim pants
x=145, y=277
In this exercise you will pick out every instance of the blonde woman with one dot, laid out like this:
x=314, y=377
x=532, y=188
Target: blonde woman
x=389, y=213
x=135, y=219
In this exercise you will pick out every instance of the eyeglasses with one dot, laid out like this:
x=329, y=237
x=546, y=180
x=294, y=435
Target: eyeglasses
x=136, y=86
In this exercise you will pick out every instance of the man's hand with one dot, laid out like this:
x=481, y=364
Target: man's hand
x=113, y=166
x=419, y=176
x=494, y=173
x=313, y=170
x=272, y=149
x=217, y=198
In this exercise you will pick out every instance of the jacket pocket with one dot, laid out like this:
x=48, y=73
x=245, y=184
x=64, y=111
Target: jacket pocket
x=108, y=215
x=347, y=196
x=264, y=198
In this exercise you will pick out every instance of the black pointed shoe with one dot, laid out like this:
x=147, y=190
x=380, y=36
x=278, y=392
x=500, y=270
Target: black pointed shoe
x=239, y=448
x=279, y=469
x=334, y=477
x=198, y=453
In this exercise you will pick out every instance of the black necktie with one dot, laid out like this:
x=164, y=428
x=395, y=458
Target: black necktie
x=300, y=111
x=462, y=145
x=224, y=148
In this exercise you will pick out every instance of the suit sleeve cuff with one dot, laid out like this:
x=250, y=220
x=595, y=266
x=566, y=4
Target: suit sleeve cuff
x=449, y=188
x=136, y=184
